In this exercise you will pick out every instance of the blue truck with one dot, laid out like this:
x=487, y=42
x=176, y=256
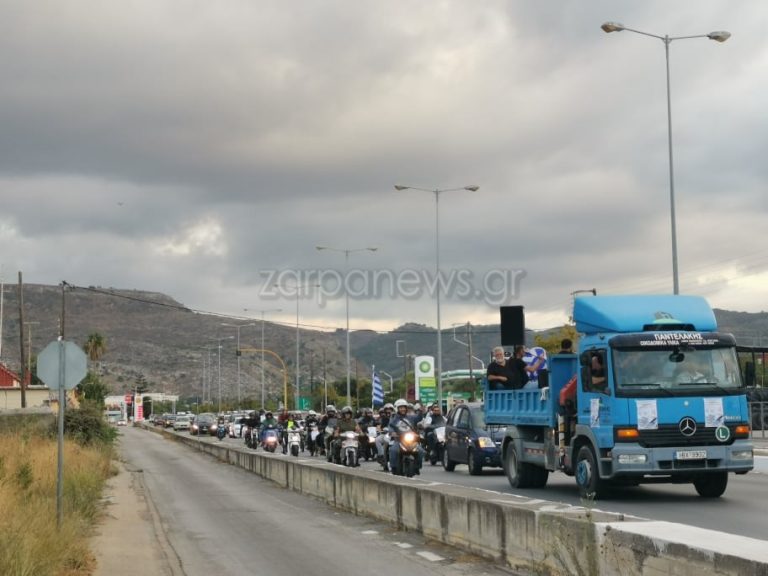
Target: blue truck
x=658, y=398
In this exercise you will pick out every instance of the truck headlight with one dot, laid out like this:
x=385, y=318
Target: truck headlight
x=742, y=455
x=633, y=458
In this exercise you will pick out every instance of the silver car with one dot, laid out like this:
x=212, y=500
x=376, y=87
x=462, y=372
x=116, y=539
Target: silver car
x=182, y=422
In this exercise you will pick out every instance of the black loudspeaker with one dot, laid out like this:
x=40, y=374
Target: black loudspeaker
x=512, y=325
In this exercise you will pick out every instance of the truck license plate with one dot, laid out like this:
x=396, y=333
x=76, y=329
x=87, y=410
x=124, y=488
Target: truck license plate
x=691, y=455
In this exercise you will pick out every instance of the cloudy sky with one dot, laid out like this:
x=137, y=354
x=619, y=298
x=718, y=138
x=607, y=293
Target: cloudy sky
x=204, y=150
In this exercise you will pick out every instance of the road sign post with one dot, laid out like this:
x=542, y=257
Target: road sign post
x=61, y=365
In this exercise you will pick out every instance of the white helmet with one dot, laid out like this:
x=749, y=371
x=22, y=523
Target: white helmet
x=330, y=408
x=400, y=403
x=312, y=413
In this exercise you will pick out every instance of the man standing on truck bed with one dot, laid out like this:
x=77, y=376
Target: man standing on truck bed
x=511, y=373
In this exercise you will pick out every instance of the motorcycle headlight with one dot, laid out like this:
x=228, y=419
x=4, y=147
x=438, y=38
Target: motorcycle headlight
x=409, y=437
x=350, y=435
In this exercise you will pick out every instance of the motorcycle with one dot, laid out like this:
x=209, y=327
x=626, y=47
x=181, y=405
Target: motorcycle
x=313, y=435
x=250, y=435
x=270, y=438
x=221, y=431
x=349, y=449
x=293, y=441
x=327, y=437
x=368, y=448
x=438, y=446
x=408, y=456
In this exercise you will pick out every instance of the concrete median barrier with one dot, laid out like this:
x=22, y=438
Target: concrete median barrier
x=528, y=534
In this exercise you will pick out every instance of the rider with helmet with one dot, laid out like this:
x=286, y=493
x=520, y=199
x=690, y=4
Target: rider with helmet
x=344, y=424
x=268, y=422
x=328, y=419
x=434, y=419
x=401, y=414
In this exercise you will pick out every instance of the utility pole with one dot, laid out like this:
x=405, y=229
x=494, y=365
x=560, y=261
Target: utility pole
x=23, y=371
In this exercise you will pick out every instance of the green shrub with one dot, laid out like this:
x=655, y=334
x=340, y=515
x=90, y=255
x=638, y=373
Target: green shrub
x=86, y=425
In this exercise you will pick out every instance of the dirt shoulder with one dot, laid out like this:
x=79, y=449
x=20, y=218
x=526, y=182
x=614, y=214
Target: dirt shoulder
x=129, y=539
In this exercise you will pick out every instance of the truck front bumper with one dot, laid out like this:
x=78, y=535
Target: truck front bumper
x=634, y=460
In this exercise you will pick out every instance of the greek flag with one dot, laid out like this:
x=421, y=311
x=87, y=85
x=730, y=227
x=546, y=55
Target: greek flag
x=378, y=392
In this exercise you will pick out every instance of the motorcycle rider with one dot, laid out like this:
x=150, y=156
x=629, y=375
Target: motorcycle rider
x=327, y=419
x=434, y=419
x=309, y=421
x=252, y=423
x=344, y=424
x=366, y=421
x=401, y=414
x=382, y=440
x=291, y=422
x=268, y=422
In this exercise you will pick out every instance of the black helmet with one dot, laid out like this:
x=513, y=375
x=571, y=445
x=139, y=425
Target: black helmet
x=268, y=414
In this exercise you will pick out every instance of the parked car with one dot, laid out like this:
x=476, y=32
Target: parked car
x=181, y=422
x=469, y=441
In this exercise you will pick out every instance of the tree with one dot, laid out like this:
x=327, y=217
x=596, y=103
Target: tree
x=95, y=346
x=551, y=343
x=92, y=389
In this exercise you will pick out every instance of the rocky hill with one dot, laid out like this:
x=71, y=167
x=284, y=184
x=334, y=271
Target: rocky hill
x=151, y=336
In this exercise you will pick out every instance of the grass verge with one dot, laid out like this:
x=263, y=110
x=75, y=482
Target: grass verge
x=32, y=545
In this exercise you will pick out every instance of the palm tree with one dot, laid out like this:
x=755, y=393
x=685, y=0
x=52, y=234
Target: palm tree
x=95, y=346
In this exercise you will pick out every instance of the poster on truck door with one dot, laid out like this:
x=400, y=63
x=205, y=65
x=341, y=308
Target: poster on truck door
x=426, y=386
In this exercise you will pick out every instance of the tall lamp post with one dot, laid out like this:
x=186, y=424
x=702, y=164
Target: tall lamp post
x=218, y=376
x=238, y=327
x=437, y=192
x=717, y=36
x=262, y=312
x=347, y=252
x=298, y=287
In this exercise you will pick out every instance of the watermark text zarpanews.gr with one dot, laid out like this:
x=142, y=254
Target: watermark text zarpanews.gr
x=495, y=287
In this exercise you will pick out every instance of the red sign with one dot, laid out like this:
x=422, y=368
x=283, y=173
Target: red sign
x=128, y=398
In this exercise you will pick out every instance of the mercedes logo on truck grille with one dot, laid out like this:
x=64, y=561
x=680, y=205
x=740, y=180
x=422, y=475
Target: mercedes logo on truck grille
x=687, y=426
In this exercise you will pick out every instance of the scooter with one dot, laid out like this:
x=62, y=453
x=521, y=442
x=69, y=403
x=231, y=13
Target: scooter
x=368, y=449
x=270, y=438
x=436, y=453
x=293, y=441
x=349, y=449
x=312, y=438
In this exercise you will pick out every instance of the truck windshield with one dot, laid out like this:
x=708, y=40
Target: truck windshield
x=676, y=371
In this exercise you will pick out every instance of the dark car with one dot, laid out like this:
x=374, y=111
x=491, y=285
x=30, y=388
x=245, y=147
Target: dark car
x=469, y=441
x=202, y=425
x=168, y=420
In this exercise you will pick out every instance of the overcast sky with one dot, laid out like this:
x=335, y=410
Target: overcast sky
x=204, y=149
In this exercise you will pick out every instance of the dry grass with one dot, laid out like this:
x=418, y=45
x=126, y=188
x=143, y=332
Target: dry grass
x=31, y=544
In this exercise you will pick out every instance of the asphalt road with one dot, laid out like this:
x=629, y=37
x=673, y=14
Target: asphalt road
x=219, y=519
x=741, y=510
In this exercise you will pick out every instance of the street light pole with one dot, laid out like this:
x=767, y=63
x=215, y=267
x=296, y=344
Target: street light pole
x=347, y=252
x=437, y=192
x=262, y=312
x=717, y=36
x=238, y=327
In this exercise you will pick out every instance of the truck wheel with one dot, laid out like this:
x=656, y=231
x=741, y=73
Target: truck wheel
x=588, y=480
x=448, y=464
x=475, y=466
x=711, y=485
x=518, y=473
